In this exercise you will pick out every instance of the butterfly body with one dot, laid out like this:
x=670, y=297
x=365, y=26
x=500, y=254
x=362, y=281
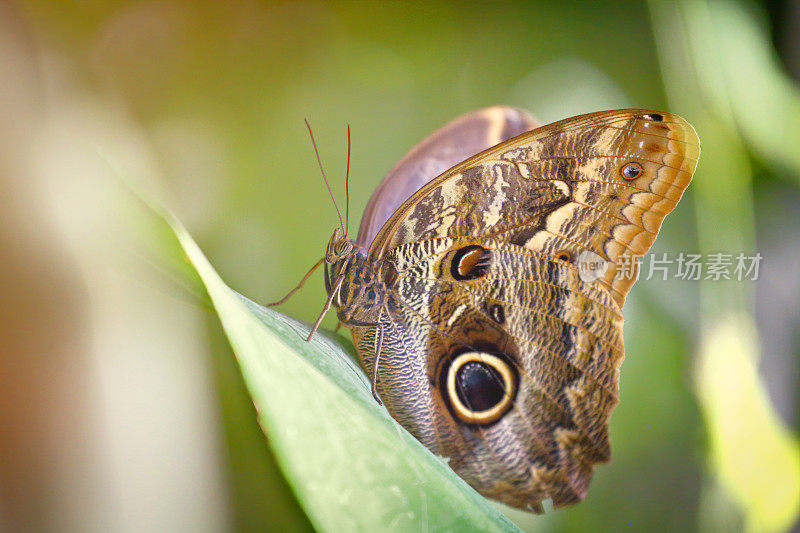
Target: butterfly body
x=469, y=309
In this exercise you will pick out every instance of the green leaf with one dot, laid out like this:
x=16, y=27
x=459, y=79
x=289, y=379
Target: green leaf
x=351, y=466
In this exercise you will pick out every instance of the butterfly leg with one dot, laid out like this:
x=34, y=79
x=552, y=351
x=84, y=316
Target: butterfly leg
x=325, y=309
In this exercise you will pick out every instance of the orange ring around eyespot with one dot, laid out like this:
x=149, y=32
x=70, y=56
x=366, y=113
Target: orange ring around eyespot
x=637, y=168
x=488, y=415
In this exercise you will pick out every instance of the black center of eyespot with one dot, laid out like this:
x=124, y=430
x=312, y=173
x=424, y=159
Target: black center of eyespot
x=479, y=386
x=469, y=262
x=631, y=171
x=654, y=116
x=564, y=255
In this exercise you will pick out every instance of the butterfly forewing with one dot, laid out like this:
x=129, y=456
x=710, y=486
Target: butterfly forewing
x=563, y=339
x=577, y=165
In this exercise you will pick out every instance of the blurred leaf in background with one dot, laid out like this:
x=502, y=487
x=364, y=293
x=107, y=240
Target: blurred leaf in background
x=143, y=421
x=753, y=457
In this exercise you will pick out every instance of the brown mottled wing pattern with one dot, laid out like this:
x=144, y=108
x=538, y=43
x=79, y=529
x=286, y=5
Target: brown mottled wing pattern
x=544, y=195
x=564, y=337
x=456, y=141
x=575, y=167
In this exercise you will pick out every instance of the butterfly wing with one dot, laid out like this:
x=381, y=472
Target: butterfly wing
x=559, y=337
x=494, y=352
x=451, y=144
x=576, y=166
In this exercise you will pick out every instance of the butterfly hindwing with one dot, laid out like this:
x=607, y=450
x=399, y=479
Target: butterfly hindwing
x=564, y=356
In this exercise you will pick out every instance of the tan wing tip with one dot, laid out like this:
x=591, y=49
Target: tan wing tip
x=678, y=164
x=675, y=127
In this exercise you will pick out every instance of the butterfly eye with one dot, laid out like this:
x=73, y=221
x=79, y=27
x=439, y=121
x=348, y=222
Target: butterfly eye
x=631, y=171
x=342, y=248
x=480, y=387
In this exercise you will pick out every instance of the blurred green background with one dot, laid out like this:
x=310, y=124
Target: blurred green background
x=122, y=407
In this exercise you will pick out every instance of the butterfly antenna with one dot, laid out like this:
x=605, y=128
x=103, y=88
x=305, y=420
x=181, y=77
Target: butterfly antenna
x=347, y=186
x=324, y=177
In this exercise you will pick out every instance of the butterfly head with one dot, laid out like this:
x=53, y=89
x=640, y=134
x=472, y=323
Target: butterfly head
x=339, y=248
x=338, y=255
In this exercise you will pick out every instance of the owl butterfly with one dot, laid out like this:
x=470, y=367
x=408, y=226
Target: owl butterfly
x=465, y=300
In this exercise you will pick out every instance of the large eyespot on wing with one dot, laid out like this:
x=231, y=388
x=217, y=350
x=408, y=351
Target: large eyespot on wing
x=601, y=182
x=530, y=421
x=451, y=144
